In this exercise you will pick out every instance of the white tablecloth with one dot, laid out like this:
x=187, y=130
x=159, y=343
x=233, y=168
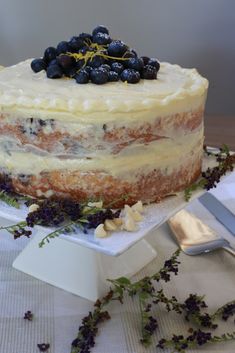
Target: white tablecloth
x=57, y=314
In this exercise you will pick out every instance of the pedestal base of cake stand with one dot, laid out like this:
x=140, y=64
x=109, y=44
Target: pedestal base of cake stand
x=77, y=269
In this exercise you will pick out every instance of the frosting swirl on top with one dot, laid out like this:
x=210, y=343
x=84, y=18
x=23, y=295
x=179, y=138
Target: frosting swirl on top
x=21, y=87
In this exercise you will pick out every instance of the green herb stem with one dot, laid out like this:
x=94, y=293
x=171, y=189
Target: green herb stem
x=9, y=199
x=68, y=227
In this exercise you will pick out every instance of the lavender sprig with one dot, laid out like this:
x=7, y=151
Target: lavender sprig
x=85, y=339
x=10, y=200
x=142, y=289
x=225, y=311
x=192, y=309
x=67, y=214
x=148, y=322
x=146, y=295
x=196, y=338
x=18, y=230
x=211, y=176
x=171, y=304
x=67, y=228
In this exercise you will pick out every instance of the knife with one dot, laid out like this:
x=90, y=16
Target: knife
x=221, y=213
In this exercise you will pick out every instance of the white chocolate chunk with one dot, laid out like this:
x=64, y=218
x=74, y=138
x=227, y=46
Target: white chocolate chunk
x=110, y=225
x=100, y=232
x=137, y=216
x=118, y=221
x=138, y=206
x=33, y=207
x=127, y=209
x=129, y=223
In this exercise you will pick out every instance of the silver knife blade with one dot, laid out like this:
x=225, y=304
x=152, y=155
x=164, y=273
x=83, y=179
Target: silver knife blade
x=221, y=212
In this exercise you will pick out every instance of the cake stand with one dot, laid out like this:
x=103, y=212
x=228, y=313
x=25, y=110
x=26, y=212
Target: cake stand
x=80, y=263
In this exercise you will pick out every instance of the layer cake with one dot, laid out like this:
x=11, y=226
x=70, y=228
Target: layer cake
x=142, y=141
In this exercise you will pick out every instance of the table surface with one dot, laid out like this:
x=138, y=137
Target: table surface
x=220, y=129
x=57, y=314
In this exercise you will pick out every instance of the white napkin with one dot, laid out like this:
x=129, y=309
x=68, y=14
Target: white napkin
x=225, y=192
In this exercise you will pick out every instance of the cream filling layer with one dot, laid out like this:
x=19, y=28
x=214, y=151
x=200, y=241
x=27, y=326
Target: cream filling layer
x=166, y=155
x=96, y=118
x=175, y=90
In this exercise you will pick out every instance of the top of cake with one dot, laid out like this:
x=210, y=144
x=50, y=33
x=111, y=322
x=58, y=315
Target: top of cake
x=20, y=86
x=93, y=74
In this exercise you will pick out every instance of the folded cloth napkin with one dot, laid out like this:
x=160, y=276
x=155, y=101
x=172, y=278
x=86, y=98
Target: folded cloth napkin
x=58, y=314
x=225, y=192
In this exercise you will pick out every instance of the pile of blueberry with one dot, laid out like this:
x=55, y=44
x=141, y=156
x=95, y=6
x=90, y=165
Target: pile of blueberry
x=97, y=58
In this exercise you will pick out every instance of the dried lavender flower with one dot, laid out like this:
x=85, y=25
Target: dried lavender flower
x=28, y=315
x=43, y=347
x=211, y=176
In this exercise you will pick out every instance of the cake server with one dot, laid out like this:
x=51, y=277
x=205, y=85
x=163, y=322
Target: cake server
x=221, y=213
x=195, y=237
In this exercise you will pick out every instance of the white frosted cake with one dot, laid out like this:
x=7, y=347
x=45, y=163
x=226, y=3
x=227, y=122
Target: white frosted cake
x=58, y=138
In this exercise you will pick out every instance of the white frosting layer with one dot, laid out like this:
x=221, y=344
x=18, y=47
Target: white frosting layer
x=165, y=154
x=25, y=92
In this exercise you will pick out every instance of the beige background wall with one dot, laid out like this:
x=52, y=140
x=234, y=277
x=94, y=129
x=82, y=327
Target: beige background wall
x=192, y=33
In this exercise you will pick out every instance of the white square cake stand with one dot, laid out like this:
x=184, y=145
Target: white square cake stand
x=80, y=263
x=78, y=269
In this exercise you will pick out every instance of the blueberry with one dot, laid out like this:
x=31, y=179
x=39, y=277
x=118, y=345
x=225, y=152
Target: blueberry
x=113, y=76
x=54, y=71
x=117, y=48
x=53, y=62
x=100, y=29
x=130, y=54
x=82, y=76
x=66, y=62
x=88, y=69
x=71, y=72
x=86, y=37
x=153, y=62
x=99, y=76
x=38, y=65
x=83, y=50
x=80, y=63
x=105, y=67
x=130, y=75
x=133, y=52
x=97, y=61
x=101, y=38
x=50, y=54
x=117, y=67
x=149, y=72
x=76, y=43
x=145, y=59
x=136, y=64
x=63, y=47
